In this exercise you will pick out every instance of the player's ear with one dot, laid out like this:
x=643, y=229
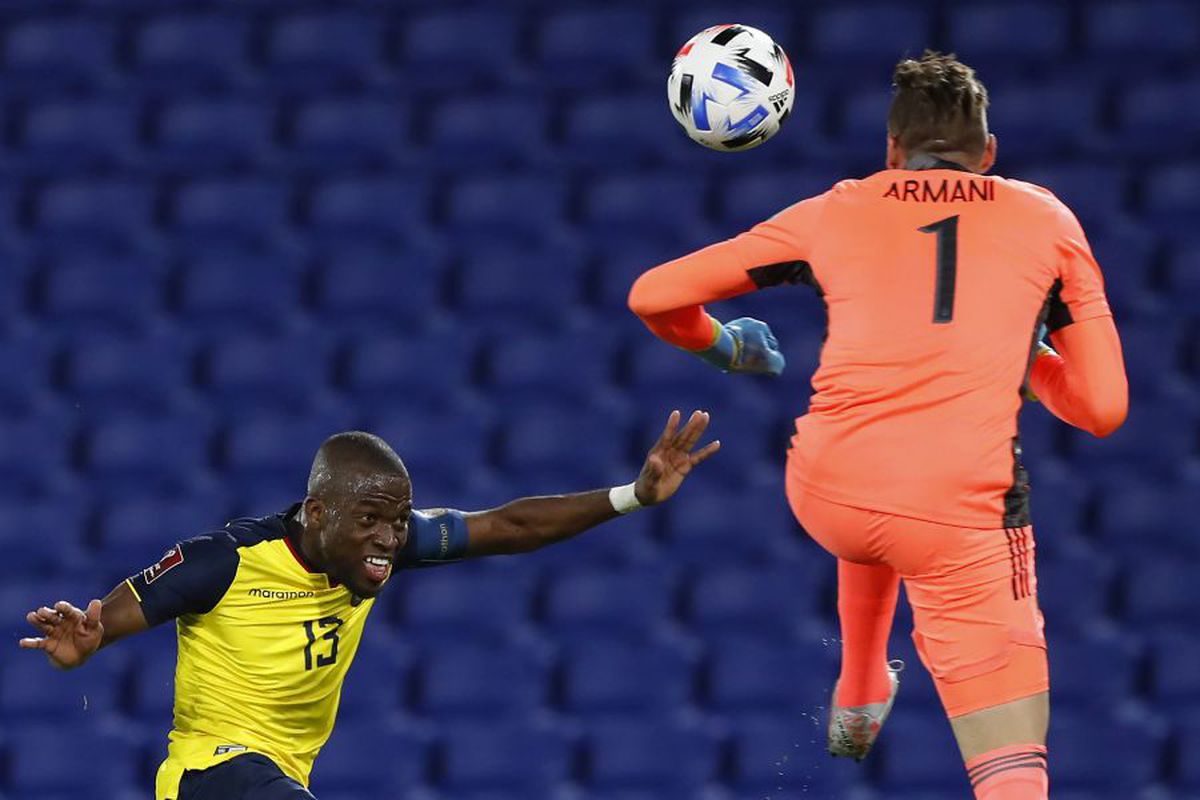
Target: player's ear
x=989, y=154
x=314, y=511
x=896, y=157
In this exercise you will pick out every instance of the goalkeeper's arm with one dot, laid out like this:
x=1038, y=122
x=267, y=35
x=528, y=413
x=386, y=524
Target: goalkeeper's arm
x=1084, y=382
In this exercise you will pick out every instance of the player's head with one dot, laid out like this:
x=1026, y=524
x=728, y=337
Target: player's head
x=939, y=108
x=357, y=508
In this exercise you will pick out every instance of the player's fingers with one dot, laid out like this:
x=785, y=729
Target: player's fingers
x=706, y=451
x=33, y=644
x=672, y=425
x=33, y=619
x=48, y=616
x=693, y=430
x=69, y=612
x=92, y=615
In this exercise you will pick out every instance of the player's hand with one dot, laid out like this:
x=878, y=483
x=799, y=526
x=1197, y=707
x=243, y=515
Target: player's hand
x=69, y=636
x=672, y=458
x=1040, y=349
x=746, y=345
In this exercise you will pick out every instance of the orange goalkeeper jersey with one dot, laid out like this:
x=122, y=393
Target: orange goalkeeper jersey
x=935, y=281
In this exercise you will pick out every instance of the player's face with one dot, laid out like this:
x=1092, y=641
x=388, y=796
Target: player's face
x=364, y=531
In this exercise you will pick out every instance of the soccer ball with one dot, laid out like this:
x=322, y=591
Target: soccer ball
x=730, y=87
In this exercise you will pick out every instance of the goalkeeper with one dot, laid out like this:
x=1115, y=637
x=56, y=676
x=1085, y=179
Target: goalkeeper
x=907, y=465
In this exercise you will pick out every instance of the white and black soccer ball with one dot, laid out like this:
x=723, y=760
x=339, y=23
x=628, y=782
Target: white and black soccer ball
x=731, y=87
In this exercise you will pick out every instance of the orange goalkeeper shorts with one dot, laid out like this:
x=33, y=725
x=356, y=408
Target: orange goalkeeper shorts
x=976, y=622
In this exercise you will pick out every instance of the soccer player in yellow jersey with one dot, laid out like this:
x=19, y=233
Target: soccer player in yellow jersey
x=270, y=611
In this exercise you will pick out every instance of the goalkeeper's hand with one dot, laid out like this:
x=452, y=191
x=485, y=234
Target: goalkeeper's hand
x=745, y=345
x=1040, y=349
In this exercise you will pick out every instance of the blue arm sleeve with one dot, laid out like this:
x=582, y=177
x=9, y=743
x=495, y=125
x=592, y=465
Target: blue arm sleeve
x=435, y=536
x=190, y=578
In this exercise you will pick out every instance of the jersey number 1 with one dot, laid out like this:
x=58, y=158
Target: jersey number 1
x=947, y=266
x=322, y=660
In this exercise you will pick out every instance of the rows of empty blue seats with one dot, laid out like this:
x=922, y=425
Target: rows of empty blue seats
x=238, y=227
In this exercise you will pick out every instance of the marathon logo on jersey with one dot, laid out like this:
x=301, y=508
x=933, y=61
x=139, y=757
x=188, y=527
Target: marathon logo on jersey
x=170, y=560
x=279, y=594
x=942, y=191
x=222, y=749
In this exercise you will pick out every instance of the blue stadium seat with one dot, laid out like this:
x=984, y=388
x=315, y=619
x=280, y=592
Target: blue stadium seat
x=36, y=538
x=463, y=603
x=918, y=752
x=1158, y=116
x=771, y=601
x=617, y=131
x=603, y=678
x=1189, y=769
x=586, y=442
x=34, y=691
x=594, y=46
x=105, y=375
x=373, y=759
x=746, y=676
x=479, y=681
x=1078, y=678
x=1075, y=591
x=433, y=55
x=1156, y=30
x=526, y=759
x=37, y=766
x=622, y=603
x=377, y=685
x=27, y=356
x=192, y=50
x=1183, y=279
x=863, y=117
x=671, y=757
x=243, y=211
x=1142, y=442
x=196, y=136
x=152, y=695
x=1116, y=755
x=1043, y=118
x=1160, y=592
x=273, y=373
x=785, y=751
x=494, y=285
x=276, y=446
x=409, y=374
x=528, y=366
x=62, y=137
x=749, y=198
x=1095, y=193
x=335, y=49
x=240, y=290
x=379, y=290
x=869, y=34
x=135, y=531
x=58, y=53
x=1174, y=681
x=621, y=261
x=522, y=210
x=488, y=131
x=104, y=212
x=622, y=205
x=34, y=453
x=1130, y=519
x=333, y=134
x=1004, y=31
x=714, y=524
x=94, y=292
x=1170, y=197
x=368, y=209
x=128, y=454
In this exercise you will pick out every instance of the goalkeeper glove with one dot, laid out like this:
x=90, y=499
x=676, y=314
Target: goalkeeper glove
x=744, y=345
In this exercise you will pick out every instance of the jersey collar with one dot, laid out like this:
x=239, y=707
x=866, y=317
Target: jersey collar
x=922, y=161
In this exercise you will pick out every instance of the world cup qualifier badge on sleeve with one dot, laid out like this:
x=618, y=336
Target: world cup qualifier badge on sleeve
x=171, y=559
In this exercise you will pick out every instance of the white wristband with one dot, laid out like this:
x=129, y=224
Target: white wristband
x=624, y=498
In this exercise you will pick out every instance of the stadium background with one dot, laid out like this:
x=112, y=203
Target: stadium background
x=228, y=229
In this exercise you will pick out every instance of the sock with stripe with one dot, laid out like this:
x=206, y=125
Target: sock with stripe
x=866, y=605
x=1015, y=772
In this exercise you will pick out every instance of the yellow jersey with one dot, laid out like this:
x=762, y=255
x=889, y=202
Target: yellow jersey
x=264, y=639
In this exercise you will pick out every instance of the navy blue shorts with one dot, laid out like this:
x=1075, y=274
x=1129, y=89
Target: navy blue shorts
x=245, y=777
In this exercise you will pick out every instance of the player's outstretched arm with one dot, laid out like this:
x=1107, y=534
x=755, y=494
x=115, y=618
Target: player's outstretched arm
x=1084, y=382
x=70, y=636
x=534, y=522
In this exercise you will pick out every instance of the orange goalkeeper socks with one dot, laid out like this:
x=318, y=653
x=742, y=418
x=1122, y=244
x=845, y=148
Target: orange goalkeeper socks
x=866, y=605
x=1015, y=772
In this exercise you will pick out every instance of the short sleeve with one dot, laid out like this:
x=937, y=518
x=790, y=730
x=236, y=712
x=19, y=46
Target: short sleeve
x=190, y=578
x=435, y=536
x=1078, y=294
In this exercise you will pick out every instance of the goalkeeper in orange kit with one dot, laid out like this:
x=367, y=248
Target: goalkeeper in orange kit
x=936, y=278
